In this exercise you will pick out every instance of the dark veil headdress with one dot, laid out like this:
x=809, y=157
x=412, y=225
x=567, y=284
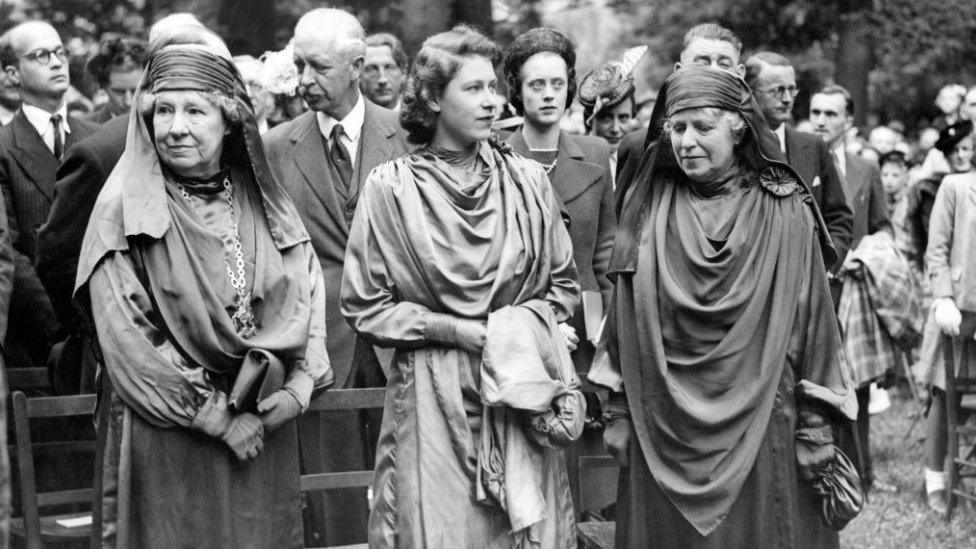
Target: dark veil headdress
x=696, y=87
x=139, y=178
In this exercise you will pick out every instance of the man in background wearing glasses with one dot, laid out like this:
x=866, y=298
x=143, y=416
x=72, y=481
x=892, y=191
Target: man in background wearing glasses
x=773, y=82
x=31, y=146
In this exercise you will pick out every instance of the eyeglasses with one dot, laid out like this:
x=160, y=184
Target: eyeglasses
x=779, y=91
x=43, y=56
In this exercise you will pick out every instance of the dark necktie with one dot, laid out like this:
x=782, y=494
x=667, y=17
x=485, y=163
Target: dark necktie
x=340, y=155
x=58, y=143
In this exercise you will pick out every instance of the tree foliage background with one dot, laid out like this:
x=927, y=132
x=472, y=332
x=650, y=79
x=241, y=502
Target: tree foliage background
x=893, y=55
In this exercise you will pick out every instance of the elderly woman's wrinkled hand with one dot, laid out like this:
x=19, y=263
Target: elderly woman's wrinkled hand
x=569, y=335
x=947, y=316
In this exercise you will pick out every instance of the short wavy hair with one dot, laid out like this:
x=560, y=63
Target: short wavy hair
x=529, y=43
x=436, y=63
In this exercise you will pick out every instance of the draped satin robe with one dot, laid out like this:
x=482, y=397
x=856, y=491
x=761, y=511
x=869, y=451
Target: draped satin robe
x=428, y=238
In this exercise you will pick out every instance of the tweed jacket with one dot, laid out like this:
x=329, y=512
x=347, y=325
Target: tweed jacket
x=296, y=153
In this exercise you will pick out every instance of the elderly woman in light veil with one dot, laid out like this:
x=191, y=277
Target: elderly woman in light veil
x=208, y=304
x=722, y=345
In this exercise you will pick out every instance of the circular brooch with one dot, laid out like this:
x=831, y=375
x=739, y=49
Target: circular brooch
x=779, y=181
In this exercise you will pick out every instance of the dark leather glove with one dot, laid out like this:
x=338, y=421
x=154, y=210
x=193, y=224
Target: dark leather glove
x=814, y=449
x=616, y=432
x=562, y=424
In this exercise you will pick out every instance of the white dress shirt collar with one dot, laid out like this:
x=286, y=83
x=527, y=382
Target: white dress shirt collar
x=781, y=135
x=840, y=157
x=41, y=120
x=352, y=126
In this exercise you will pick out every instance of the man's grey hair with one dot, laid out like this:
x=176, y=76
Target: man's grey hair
x=336, y=25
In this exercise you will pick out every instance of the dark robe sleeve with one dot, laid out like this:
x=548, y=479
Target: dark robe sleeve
x=823, y=375
x=146, y=369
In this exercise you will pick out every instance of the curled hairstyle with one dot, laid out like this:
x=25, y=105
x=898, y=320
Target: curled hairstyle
x=436, y=63
x=529, y=43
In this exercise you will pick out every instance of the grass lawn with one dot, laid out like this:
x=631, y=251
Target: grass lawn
x=900, y=519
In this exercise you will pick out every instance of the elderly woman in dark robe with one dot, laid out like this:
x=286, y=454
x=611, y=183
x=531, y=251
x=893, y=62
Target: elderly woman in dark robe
x=208, y=304
x=722, y=347
x=458, y=259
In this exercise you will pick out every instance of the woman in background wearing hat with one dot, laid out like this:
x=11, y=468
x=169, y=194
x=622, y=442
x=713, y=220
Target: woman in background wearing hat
x=607, y=96
x=942, y=218
x=723, y=352
x=196, y=271
x=956, y=143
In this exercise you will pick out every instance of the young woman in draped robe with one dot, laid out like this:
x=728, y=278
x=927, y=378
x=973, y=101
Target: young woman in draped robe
x=444, y=238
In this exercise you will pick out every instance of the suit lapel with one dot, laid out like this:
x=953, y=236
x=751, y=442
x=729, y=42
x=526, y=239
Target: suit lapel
x=800, y=158
x=572, y=174
x=374, y=143
x=312, y=164
x=35, y=158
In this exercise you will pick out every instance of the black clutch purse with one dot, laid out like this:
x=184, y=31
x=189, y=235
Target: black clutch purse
x=839, y=488
x=261, y=374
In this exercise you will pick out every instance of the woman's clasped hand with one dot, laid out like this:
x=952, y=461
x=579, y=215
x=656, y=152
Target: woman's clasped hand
x=243, y=433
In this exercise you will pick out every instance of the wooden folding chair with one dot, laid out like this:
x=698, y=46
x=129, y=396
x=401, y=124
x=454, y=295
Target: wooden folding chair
x=344, y=399
x=959, y=465
x=35, y=528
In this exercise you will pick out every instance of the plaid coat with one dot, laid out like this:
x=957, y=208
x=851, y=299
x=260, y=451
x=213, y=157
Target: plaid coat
x=879, y=307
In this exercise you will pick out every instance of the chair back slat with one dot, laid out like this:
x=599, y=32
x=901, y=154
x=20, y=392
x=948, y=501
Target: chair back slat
x=61, y=497
x=336, y=481
x=24, y=409
x=77, y=405
x=25, y=469
x=349, y=399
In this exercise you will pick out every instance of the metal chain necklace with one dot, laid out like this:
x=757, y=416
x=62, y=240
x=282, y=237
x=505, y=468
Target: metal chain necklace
x=243, y=317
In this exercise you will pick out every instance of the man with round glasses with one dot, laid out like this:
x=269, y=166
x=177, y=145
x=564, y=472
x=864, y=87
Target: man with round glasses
x=773, y=79
x=35, y=59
